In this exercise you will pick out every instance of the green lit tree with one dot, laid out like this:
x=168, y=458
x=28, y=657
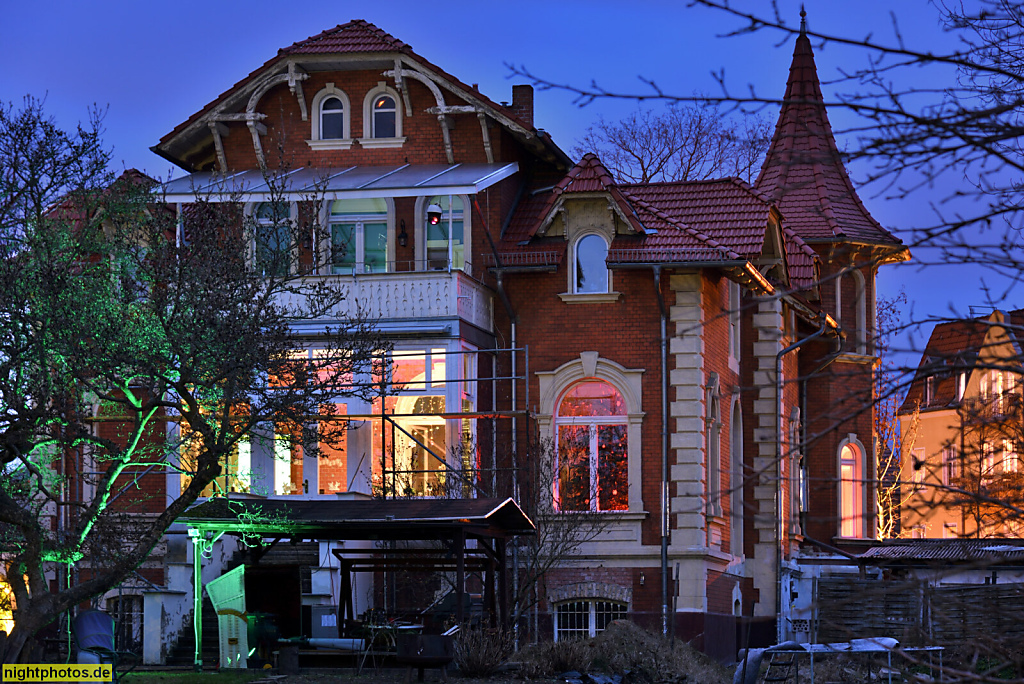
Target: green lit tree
x=116, y=327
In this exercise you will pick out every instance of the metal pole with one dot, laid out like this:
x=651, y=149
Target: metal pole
x=197, y=596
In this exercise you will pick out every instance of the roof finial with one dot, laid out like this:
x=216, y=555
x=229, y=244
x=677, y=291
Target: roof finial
x=803, y=20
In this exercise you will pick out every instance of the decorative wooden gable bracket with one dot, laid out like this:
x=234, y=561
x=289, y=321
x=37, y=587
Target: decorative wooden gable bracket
x=293, y=77
x=220, y=131
x=441, y=110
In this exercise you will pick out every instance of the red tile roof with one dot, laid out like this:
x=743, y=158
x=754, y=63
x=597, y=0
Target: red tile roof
x=803, y=171
x=727, y=211
x=355, y=36
x=954, y=346
x=681, y=222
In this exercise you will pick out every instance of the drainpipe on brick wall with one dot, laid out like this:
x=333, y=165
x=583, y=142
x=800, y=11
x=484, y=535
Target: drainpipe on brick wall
x=825, y=319
x=664, y=453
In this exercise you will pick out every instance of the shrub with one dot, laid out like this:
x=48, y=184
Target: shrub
x=479, y=652
x=553, y=658
x=624, y=647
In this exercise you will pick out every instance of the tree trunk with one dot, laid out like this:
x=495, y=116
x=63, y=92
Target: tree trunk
x=20, y=642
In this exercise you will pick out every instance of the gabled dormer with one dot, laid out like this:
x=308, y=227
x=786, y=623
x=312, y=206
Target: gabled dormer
x=354, y=94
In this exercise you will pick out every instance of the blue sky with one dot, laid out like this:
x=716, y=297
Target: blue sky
x=152, y=64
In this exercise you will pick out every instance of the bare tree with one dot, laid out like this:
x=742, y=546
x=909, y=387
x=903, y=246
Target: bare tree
x=682, y=142
x=120, y=330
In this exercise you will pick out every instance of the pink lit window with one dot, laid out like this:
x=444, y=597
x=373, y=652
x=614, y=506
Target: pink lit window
x=851, y=506
x=592, y=457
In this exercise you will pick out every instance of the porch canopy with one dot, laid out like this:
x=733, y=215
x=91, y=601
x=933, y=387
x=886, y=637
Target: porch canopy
x=471, y=535
x=345, y=182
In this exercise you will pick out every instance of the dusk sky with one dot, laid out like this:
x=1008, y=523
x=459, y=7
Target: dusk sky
x=153, y=64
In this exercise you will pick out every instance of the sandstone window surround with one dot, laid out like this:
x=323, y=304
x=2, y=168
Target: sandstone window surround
x=554, y=386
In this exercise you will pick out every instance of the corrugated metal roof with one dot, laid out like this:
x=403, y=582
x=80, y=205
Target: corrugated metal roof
x=946, y=550
x=409, y=180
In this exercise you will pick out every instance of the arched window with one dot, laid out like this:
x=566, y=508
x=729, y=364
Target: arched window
x=447, y=233
x=586, y=618
x=330, y=120
x=851, y=310
x=713, y=446
x=590, y=254
x=382, y=118
x=851, y=489
x=272, y=238
x=358, y=230
x=592, y=456
x=736, y=477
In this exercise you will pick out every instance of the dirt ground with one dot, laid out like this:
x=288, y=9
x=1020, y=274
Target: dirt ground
x=316, y=676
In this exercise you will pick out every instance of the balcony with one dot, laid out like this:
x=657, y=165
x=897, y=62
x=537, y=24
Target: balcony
x=413, y=295
x=991, y=409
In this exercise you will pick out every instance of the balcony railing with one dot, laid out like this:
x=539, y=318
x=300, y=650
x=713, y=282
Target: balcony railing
x=409, y=294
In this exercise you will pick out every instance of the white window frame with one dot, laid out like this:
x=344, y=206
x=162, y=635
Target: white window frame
x=918, y=473
x=326, y=242
x=629, y=382
x=950, y=465
x=859, y=488
x=316, y=142
x=368, y=140
x=592, y=606
x=608, y=294
x=420, y=244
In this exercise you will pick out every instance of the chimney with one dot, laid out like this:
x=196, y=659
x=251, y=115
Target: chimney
x=522, y=103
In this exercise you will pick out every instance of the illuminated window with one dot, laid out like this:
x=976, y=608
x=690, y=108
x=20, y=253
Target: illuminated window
x=382, y=118
x=585, y=619
x=592, y=455
x=6, y=606
x=411, y=450
x=590, y=254
x=950, y=530
x=851, y=491
x=446, y=233
x=272, y=238
x=359, y=236
x=1011, y=461
x=236, y=473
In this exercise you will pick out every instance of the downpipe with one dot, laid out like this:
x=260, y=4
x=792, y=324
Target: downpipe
x=664, y=453
x=825, y=319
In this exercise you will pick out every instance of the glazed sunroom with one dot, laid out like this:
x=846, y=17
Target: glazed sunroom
x=434, y=308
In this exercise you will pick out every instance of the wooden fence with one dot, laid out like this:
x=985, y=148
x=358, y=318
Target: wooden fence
x=918, y=614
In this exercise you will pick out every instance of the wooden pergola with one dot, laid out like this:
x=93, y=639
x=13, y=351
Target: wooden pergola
x=471, y=536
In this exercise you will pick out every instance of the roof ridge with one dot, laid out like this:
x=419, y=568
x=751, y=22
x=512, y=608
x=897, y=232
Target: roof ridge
x=367, y=26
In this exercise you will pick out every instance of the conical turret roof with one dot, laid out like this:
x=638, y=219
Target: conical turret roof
x=803, y=172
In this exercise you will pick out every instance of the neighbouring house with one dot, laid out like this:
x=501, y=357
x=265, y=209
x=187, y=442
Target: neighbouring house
x=690, y=364
x=961, y=474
